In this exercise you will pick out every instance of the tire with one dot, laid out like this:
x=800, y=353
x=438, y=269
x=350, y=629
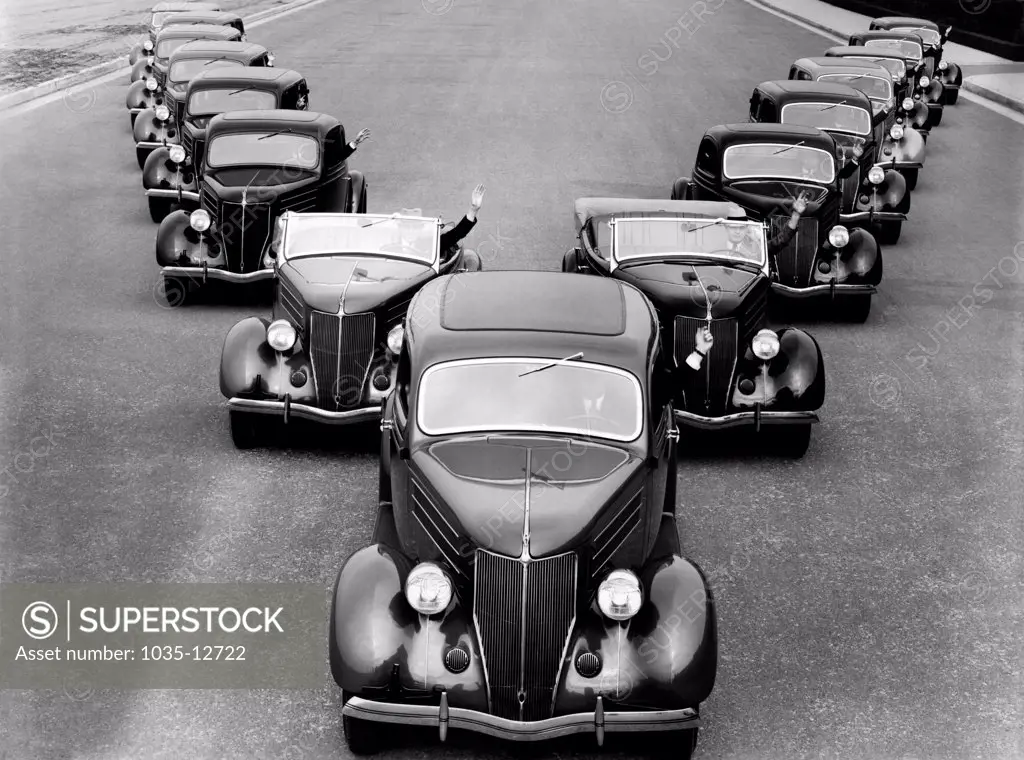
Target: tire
x=910, y=175
x=935, y=118
x=856, y=308
x=570, y=262
x=952, y=96
x=677, y=745
x=363, y=737
x=159, y=208
x=792, y=440
x=246, y=429
x=889, y=232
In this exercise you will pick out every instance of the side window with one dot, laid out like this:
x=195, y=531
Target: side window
x=334, y=143
x=239, y=26
x=707, y=157
x=803, y=75
x=599, y=238
x=303, y=96
x=755, y=104
x=794, y=72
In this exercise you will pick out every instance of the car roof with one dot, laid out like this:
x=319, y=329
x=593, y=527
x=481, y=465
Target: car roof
x=799, y=91
x=238, y=51
x=201, y=16
x=531, y=314
x=891, y=21
x=747, y=132
x=885, y=34
x=270, y=78
x=308, y=123
x=841, y=51
x=198, y=31
x=836, y=65
x=586, y=209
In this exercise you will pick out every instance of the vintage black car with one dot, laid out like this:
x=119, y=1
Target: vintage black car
x=152, y=70
x=525, y=578
x=256, y=166
x=704, y=263
x=143, y=68
x=876, y=197
x=159, y=15
x=160, y=126
x=934, y=37
x=764, y=168
x=910, y=47
x=329, y=353
x=171, y=175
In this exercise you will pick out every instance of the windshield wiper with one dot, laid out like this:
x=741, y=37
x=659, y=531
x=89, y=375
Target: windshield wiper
x=221, y=58
x=380, y=221
x=285, y=131
x=788, y=147
x=572, y=358
x=242, y=89
x=720, y=220
x=829, y=108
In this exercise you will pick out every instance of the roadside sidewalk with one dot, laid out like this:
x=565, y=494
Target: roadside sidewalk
x=990, y=76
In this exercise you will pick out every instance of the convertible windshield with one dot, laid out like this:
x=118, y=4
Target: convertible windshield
x=908, y=48
x=875, y=88
x=263, y=149
x=183, y=71
x=828, y=116
x=777, y=160
x=210, y=102
x=693, y=238
x=896, y=66
x=930, y=36
x=366, y=234
x=511, y=395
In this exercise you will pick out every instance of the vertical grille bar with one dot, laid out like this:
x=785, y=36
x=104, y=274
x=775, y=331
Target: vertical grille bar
x=713, y=381
x=341, y=349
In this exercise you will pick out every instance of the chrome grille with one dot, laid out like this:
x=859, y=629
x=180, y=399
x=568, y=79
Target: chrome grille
x=707, y=390
x=341, y=350
x=524, y=613
x=245, y=232
x=795, y=261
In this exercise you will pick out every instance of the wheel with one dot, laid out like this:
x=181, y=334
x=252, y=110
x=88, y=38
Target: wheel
x=952, y=96
x=856, y=308
x=159, y=208
x=173, y=291
x=792, y=440
x=570, y=262
x=677, y=745
x=910, y=175
x=889, y=232
x=246, y=429
x=363, y=737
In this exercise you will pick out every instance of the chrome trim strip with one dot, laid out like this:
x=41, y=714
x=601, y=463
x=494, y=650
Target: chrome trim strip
x=316, y=414
x=138, y=110
x=153, y=145
x=742, y=419
x=817, y=290
x=502, y=728
x=901, y=164
x=159, y=192
x=197, y=273
x=883, y=215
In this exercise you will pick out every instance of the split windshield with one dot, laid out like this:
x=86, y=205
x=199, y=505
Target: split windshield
x=875, y=88
x=908, y=48
x=779, y=161
x=289, y=151
x=930, y=36
x=215, y=101
x=828, y=116
x=183, y=71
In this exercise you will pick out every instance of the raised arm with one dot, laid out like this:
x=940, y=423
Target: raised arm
x=782, y=238
x=452, y=237
x=351, y=147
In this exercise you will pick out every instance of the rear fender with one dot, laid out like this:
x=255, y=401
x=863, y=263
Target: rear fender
x=160, y=173
x=796, y=376
x=177, y=244
x=859, y=261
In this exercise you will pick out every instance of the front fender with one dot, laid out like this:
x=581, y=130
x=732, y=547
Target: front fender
x=953, y=76
x=890, y=195
x=143, y=69
x=933, y=93
x=375, y=631
x=135, y=53
x=249, y=367
x=148, y=128
x=139, y=97
x=911, y=149
x=177, y=244
x=859, y=262
x=919, y=116
x=160, y=173
x=796, y=376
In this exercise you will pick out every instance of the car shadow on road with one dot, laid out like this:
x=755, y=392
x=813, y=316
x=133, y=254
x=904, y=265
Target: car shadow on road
x=332, y=440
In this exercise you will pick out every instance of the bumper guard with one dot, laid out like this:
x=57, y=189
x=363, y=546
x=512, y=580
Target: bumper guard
x=288, y=409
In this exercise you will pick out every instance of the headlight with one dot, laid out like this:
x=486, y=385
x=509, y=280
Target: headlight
x=876, y=175
x=395, y=338
x=147, y=45
x=908, y=104
x=896, y=132
x=427, y=589
x=924, y=81
x=163, y=113
x=151, y=84
x=838, y=236
x=200, y=220
x=281, y=335
x=766, y=343
x=619, y=595
x=943, y=65
x=176, y=153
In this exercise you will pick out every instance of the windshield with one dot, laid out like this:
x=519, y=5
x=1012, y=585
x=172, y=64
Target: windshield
x=211, y=102
x=165, y=47
x=828, y=116
x=930, y=36
x=574, y=398
x=875, y=88
x=183, y=71
x=896, y=66
x=248, y=149
x=373, y=234
x=695, y=238
x=908, y=48
x=777, y=160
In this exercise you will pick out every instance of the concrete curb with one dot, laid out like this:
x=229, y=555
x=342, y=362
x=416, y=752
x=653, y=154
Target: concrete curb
x=109, y=67
x=968, y=85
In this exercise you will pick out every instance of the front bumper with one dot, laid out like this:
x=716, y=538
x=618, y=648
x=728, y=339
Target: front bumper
x=177, y=195
x=205, y=273
x=286, y=409
x=755, y=419
x=444, y=717
x=813, y=291
x=873, y=216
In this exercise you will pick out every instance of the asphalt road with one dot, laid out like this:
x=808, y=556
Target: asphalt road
x=869, y=595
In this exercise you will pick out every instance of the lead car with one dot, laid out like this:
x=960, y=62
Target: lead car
x=525, y=578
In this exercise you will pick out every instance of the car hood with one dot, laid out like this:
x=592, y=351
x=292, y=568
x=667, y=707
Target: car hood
x=674, y=288
x=483, y=482
x=365, y=282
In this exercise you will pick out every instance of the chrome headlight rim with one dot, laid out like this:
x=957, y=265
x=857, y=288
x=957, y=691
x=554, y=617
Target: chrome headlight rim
x=908, y=104
x=281, y=335
x=620, y=595
x=838, y=236
x=152, y=85
x=896, y=132
x=876, y=175
x=176, y=153
x=924, y=81
x=162, y=112
x=199, y=220
x=943, y=64
x=765, y=344
x=396, y=336
x=428, y=589
x=147, y=45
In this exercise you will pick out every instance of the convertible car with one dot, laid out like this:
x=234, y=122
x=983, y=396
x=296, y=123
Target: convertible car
x=934, y=38
x=525, y=578
x=910, y=47
x=704, y=263
x=876, y=197
x=152, y=69
x=171, y=174
x=257, y=165
x=158, y=126
x=160, y=13
x=329, y=353
x=764, y=168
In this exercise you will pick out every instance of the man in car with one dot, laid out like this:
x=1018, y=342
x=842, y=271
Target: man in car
x=364, y=134
x=450, y=239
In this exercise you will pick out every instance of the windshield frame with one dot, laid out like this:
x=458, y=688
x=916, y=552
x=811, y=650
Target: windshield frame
x=228, y=63
x=616, y=261
x=287, y=220
x=794, y=146
x=834, y=107
x=229, y=89
x=920, y=32
x=263, y=133
x=881, y=43
x=879, y=58
x=833, y=77
x=532, y=361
